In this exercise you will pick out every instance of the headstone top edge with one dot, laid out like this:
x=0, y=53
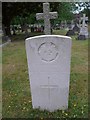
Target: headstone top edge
x=46, y=3
x=41, y=36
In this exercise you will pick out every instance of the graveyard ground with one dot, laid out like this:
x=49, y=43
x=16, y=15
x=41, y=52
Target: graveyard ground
x=16, y=89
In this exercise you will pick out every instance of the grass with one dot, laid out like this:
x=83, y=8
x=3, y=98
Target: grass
x=16, y=90
x=0, y=82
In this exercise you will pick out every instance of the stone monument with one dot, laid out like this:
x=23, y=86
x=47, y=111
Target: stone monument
x=48, y=58
x=83, y=29
x=46, y=15
x=72, y=24
x=71, y=31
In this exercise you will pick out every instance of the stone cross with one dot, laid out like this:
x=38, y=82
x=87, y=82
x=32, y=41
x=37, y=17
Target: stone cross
x=46, y=15
x=84, y=18
x=83, y=29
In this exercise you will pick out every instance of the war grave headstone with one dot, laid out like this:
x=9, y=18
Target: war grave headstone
x=83, y=29
x=48, y=58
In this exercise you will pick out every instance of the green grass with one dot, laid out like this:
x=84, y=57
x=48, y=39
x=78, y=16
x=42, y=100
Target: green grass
x=16, y=90
x=0, y=82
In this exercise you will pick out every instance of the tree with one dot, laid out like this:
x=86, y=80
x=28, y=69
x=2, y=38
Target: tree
x=27, y=10
x=10, y=10
x=84, y=7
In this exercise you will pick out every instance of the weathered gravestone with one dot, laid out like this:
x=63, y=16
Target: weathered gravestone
x=5, y=38
x=46, y=15
x=32, y=28
x=48, y=59
x=70, y=32
x=76, y=28
x=83, y=29
x=65, y=25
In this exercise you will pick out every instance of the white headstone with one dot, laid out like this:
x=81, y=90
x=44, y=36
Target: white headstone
x=48, y=59
x=46, y=15
x=84, y=26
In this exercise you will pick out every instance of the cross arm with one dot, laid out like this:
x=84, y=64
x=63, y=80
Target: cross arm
x=53, y=15
x=39, y=16
x=86, y=18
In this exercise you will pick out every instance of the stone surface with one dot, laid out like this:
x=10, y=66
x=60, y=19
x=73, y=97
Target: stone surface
x=81, y=37
x=84, y=31
x=46, y=15
x=48, y=58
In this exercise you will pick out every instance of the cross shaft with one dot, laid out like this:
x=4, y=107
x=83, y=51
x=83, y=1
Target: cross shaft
x=84, y=18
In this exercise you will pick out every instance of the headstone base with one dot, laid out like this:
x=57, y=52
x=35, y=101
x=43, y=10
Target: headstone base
x=81, y=37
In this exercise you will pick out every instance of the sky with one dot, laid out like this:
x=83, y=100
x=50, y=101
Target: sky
x=78, y=10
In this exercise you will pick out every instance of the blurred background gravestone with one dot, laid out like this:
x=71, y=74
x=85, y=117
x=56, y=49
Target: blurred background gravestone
x=46, y=15
x=83, y=28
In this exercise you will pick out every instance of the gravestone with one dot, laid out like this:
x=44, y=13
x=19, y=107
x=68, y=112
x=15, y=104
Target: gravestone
x=26, y=30
x=65, y=25
x=83, y=29
x=46, y=15
x=62, y=24
x=70, y=32
x=14, y=30
x=72, y=24
x=48, y=58
x=32, y=28
x=76, y=28
x=5, y=38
